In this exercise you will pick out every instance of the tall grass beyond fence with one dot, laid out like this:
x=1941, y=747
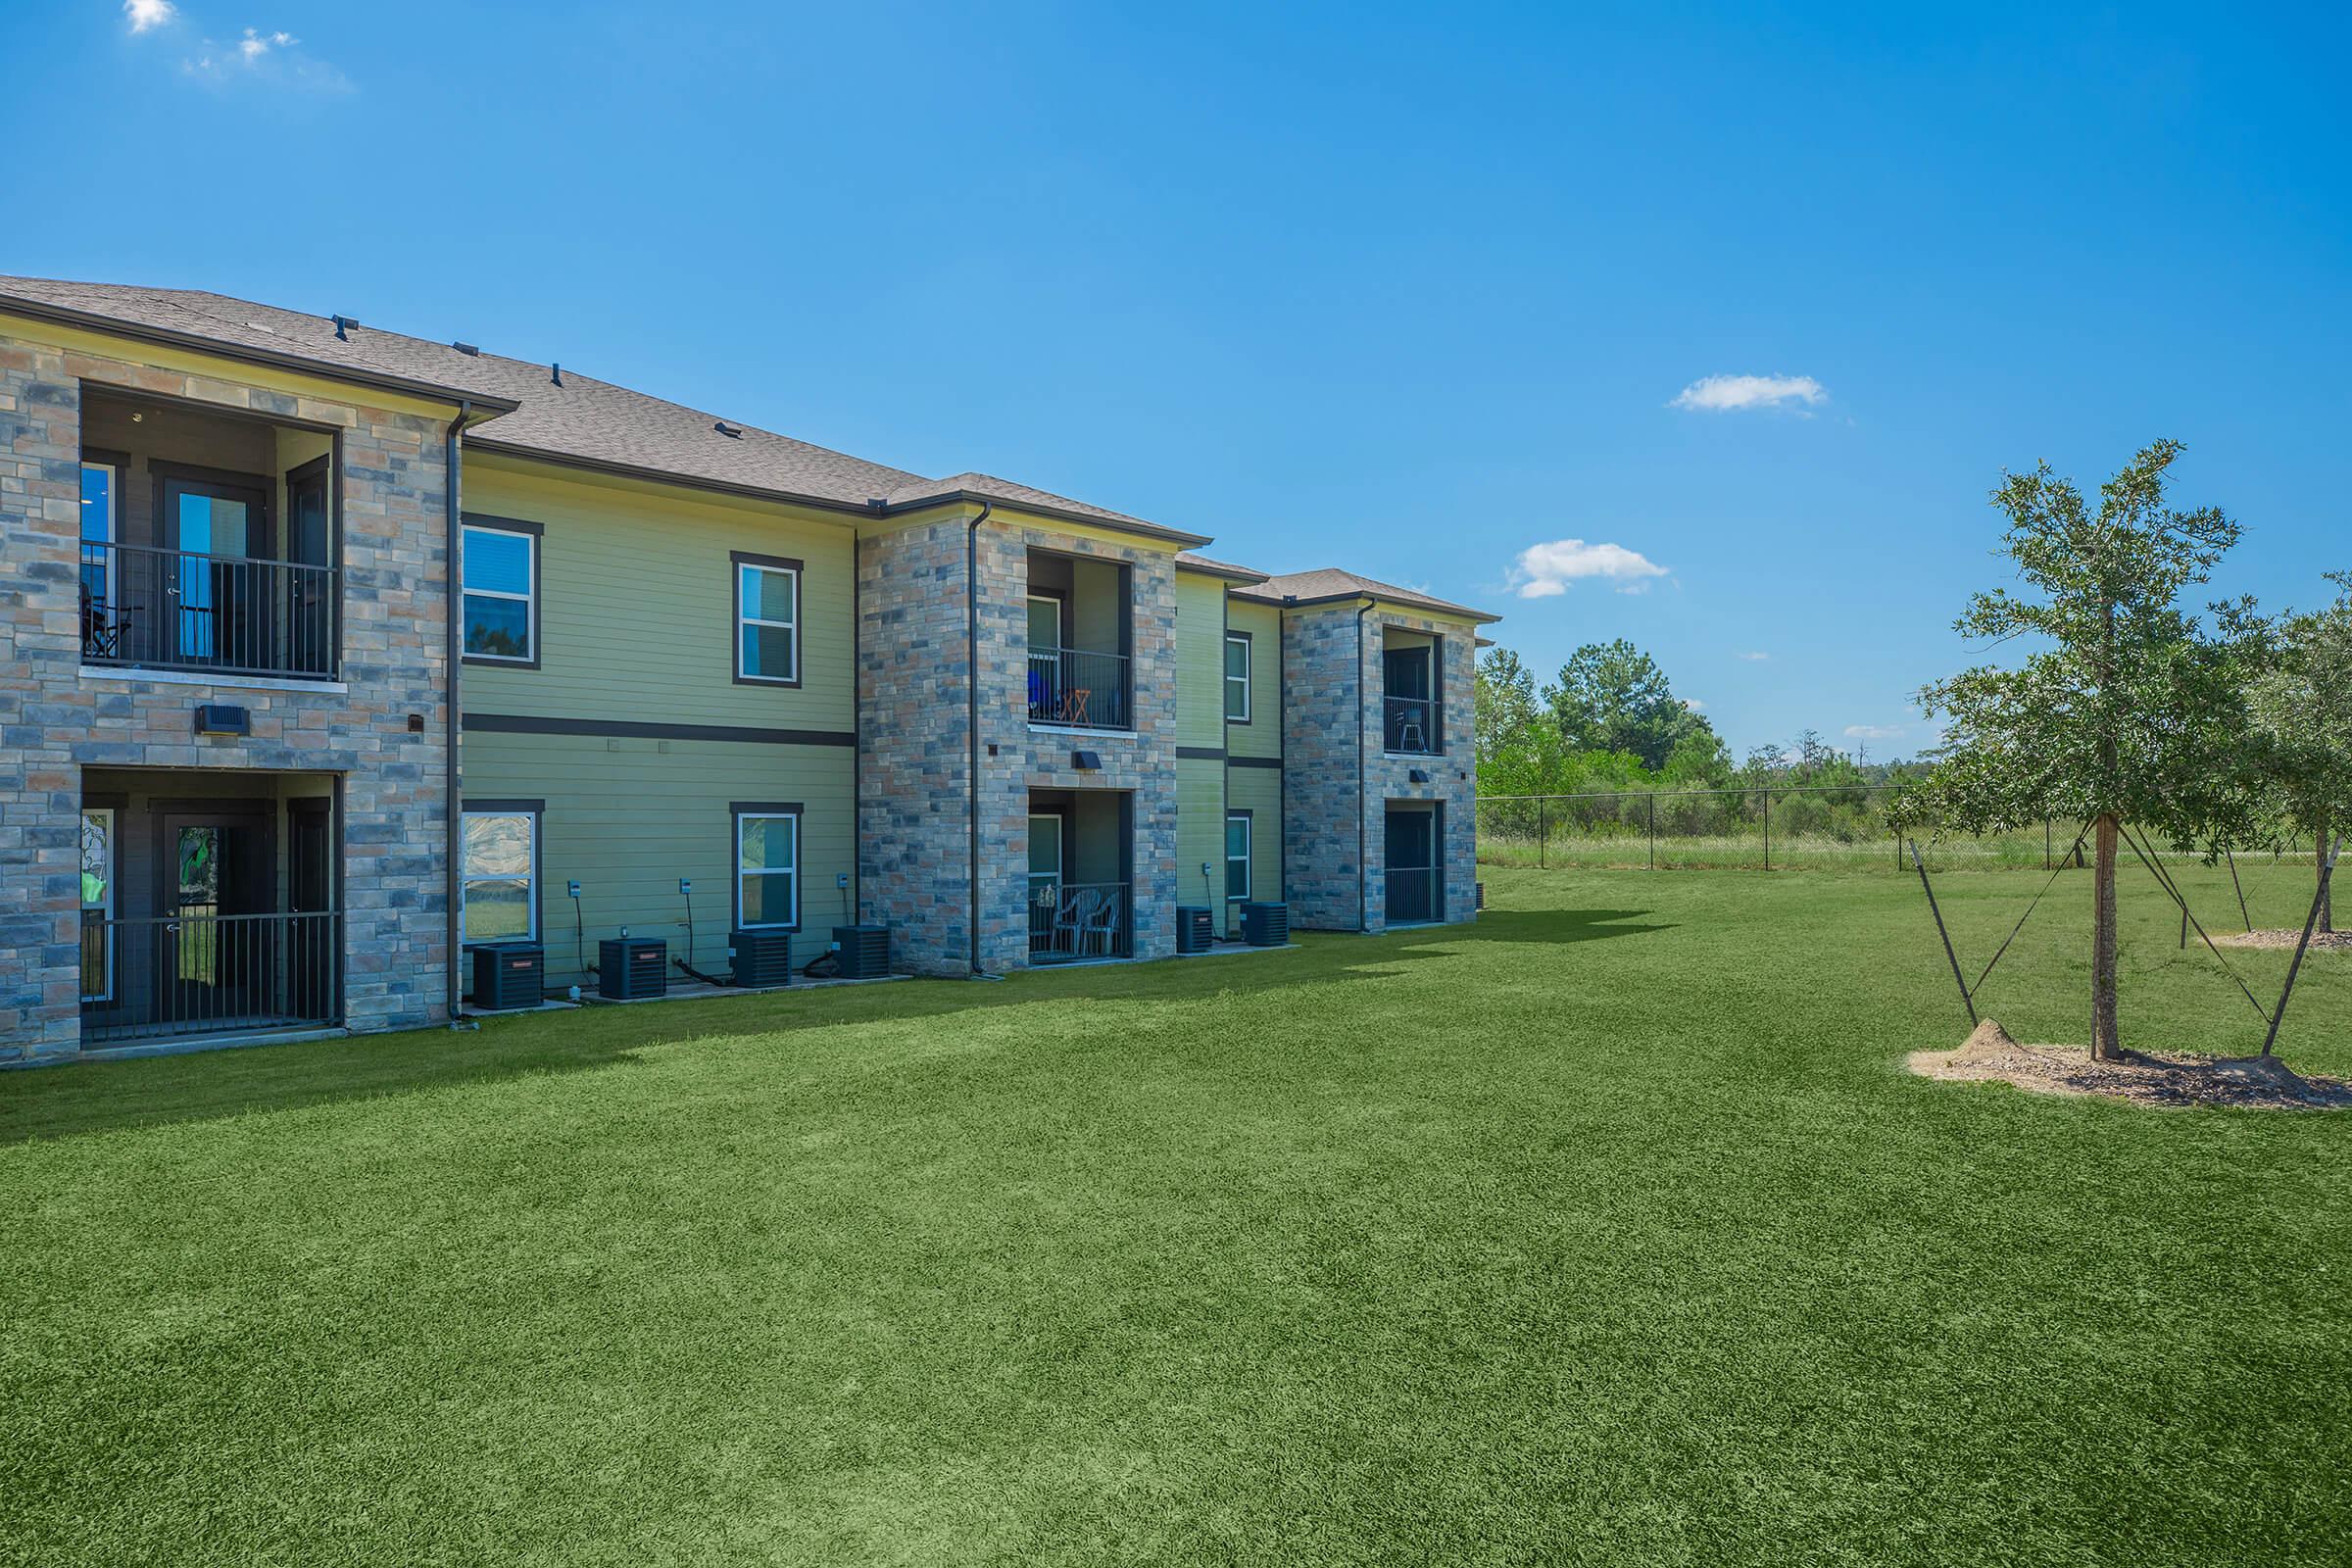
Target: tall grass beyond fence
x=1780, y=827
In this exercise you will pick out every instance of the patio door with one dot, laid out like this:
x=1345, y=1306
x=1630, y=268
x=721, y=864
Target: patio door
x=309, y=606
x=213, y=866
x=310, y=945
x=1411, y=865
x=1044, y=879
x=219, y=608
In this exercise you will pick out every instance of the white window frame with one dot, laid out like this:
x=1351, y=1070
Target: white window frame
x=529, y=597
x=1248, y=696
x=736, y=856
x=530, y=901
x=114, y=858
x=792, y=627
x=1248, y=857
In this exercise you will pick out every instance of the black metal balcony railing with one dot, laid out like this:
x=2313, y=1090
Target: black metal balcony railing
x=1082, y=690
x=182, y=609
x=190, y=974
x=1412, y=893
x=1079, y=920
x=1413, y=724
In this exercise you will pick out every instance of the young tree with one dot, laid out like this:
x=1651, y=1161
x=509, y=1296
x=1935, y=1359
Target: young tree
x=2302, y=705
x=2125, y=711
x=1504, y=703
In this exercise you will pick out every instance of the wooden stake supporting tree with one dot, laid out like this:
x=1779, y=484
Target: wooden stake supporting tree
x=2125, y=708
x=2301, y=699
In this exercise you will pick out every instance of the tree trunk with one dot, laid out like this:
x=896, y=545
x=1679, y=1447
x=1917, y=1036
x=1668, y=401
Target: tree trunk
x=2106, y=1043
x=2319, y=842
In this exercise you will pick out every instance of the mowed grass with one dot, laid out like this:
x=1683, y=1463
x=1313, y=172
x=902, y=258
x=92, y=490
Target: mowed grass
x=1608, y=1231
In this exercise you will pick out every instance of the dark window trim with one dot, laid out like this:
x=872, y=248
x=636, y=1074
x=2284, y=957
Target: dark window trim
x=737, y=811
x=1249, y=676
x=1062, y=615
x=536, y=810
x=164, y=522
x=1249, y=815
x=737, y=560
x=538, y=536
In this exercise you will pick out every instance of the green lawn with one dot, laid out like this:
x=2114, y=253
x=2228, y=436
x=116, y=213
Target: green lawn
x=1608, y=1231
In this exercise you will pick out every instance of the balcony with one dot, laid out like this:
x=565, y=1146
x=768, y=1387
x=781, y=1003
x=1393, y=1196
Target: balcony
x=1415, y=726
x=201, y=974
x=185, y=610
x=1080, y=688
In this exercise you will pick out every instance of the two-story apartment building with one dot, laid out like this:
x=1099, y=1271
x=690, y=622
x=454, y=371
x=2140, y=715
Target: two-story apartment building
x=332, y=652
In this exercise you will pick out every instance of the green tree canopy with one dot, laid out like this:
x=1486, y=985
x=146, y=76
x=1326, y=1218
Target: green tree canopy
x=2301, y=700
x=1612, y=697
x=2122, y=710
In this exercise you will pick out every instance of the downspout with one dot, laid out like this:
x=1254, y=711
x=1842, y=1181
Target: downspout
x=455, y=654
x=971, y=605
x=1363, y=796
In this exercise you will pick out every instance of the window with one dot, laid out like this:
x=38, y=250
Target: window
x=502, y=593
x=99, y=628
x=500, y=873
x=768, y=865
x=1237, y=856
x=1237, y=677
x=97, y=903
x=767, y=614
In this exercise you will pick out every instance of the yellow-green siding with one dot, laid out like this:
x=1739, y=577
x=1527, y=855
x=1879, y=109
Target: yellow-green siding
x=1201, y=832
x=1262, y=735
x=637, y=603
x=1200, y=662
x=628, y=817
x=1259, y=791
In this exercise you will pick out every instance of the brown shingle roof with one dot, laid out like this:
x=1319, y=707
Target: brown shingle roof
x=1193, y=560
x=1329, y=583
x=581, y=419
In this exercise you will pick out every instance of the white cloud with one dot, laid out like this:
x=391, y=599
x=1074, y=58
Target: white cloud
x=1694, y=705
x=147, y=14
x=1753, y=659
x=1729, y=394
x=1873, y=732
x=1548, y=569
x=270, y=55
x=256, y=44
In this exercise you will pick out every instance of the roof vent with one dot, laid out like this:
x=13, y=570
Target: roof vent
x=733, y=432
x=555, y=372
x=468, y=348
x=342, y=323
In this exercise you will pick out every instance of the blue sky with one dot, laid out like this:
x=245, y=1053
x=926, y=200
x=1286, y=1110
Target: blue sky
x=1410, y=291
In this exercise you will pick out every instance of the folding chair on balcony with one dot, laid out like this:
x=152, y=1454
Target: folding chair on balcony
x=1410, y=737
x=1069, y=918
x=1099, y=927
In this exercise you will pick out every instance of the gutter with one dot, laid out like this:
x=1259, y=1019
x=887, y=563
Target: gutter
x=971, y=610
x=1363, y=796
x=454, y=653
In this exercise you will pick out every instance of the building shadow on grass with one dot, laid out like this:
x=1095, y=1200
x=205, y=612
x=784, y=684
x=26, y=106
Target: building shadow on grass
x=104, y=1096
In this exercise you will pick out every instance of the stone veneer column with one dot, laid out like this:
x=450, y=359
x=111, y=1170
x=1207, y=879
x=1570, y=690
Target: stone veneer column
x=1452, y=774
x=915, y=828
x=1323, y=787
x=55, y=720
x=914, y=749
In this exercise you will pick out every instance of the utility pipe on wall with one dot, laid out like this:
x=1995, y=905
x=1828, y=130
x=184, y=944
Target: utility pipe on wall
x=454, y=654
x=971, y=605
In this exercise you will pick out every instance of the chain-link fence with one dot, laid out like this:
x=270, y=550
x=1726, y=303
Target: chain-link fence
x=1777, y=827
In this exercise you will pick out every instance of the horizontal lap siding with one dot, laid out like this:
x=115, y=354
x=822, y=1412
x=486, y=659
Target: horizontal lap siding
x=1200, y=662
x=637, y=606
x=1262, y=735
x=1200, y=832
x=628, y=819
x=1259, y=791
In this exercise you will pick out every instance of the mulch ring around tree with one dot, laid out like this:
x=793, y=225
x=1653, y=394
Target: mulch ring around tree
x=2321, y=941
x=2170, y=1082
